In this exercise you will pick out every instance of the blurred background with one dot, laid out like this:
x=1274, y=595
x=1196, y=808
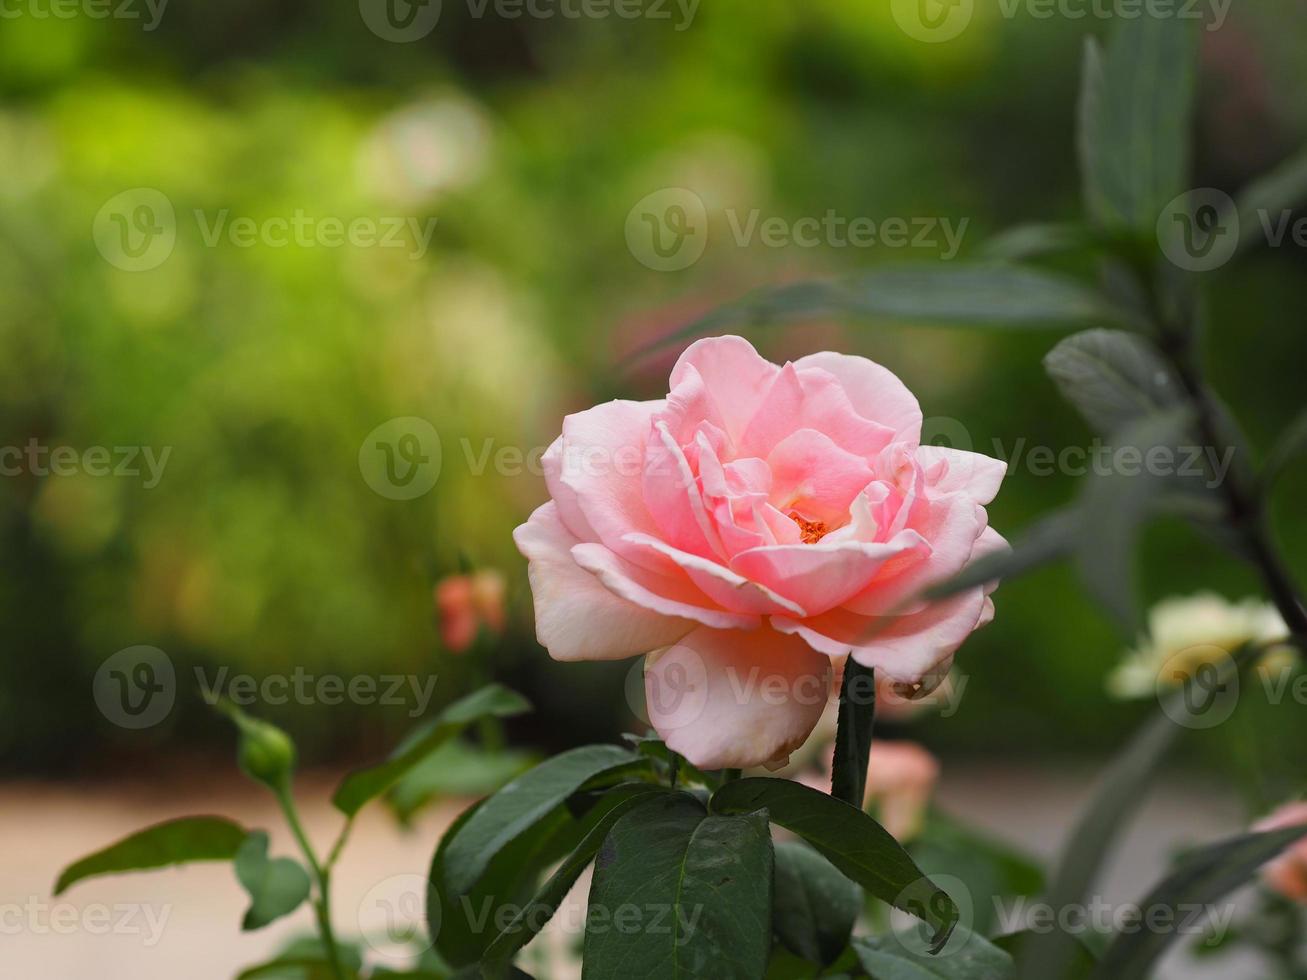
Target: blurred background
x=501, y=159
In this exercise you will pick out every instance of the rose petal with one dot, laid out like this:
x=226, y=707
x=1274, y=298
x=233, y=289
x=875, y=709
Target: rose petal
x=812, y=475
x=673, y=497
x=734, y=379
x=576, y=617
x=671, y=595
x=721, y=585
x=725, y=699
x=603, y=466
x=906, y=648
x=875, y=392
x=822, y=576
x=958, y=471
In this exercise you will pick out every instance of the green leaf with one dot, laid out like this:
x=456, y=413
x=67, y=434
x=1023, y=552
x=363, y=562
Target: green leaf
x=856, y=844
x=678, y=892
x=536, y=915
x=1284, y=188
x=363, y=785
x=958, y=294
x=1082, y=960
x=276, y=886
x=815, y=906
x=172, y=842
x=657, y=750
x=456, y=769
x=520, y=805
x=1121, y=791
x=1203, y=878
x=1113, y=378
x=1136, y=110
x=853, y=728
x=1048, y=539
x=1115, y=504
x=1289, y=446
x=305, y=959
x=1036, y=241
x=967, y=956
x=462, y=926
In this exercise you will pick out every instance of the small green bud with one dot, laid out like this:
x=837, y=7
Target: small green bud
x=265, y=752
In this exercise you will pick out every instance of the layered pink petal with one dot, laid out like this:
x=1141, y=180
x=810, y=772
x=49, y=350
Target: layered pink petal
x=576, y=617
x=952, y=525
x=723, y=586
x=812, y=475
x=732, y=700
x=670, y=595
x=734, y=378
x=875, y=392
x=822, y=576
x=673, y=497
x=906, y=648
x=602, y=466
x=958, y=471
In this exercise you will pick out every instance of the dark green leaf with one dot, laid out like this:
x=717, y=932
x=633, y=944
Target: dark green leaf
x=536, y=915
x=1289, y=446
x=1115, y=504
x=1203, y=878
x=1112, y=377
x=1283, y=189
x=967, y=956
x=1136, y=110
x=276, y=886
x=815, y=905
x=656, y=749
x=1036, y=241
x=516, y=808
x=457, y=769
x=946, y=294
x=1121, y=791
x=853, y=728
x=851, y=840
x=680, y=893
x=364, y=785
x=172, y=842
x=1082, y=960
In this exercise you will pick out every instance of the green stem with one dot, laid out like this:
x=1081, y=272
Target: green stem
x=730, y=775
x=322, y=904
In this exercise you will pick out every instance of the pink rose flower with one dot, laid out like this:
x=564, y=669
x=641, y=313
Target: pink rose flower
x=465, y=603
x=1287, y=873
x=747, y=529
x=901, y=778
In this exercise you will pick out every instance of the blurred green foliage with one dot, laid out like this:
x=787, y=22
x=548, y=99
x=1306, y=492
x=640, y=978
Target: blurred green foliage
x=528, y=142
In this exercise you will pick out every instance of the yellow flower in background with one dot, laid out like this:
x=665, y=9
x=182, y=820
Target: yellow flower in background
x=1187, y=631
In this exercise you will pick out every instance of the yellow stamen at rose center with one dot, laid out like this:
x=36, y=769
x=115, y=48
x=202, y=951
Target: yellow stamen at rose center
x=810, y=532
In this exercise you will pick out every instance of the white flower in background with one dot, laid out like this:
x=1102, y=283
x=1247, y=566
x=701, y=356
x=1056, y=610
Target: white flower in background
x=1185, y=631
x=417, y=152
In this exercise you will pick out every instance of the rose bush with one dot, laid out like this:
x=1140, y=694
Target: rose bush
x=759, y=521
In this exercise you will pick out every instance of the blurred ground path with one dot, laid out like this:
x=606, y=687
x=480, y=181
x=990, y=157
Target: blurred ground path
x=183, y=923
